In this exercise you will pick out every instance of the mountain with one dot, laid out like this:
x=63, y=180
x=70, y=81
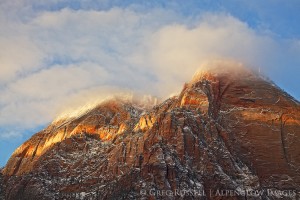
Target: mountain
x=229, y=134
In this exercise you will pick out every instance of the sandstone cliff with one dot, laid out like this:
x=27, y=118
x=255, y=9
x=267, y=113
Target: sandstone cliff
x=227, y=129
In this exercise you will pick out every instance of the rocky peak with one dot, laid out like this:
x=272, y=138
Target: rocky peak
x=228, y=128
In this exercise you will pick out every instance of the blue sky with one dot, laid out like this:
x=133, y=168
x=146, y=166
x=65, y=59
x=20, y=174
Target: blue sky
x=61, y=54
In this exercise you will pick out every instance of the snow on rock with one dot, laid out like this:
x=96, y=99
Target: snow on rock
x=224, y=130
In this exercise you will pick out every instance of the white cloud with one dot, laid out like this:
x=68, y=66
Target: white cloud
x=36, y=98
x=59, y=80
x=177, y=50
x=68, y=57
x=17, y=56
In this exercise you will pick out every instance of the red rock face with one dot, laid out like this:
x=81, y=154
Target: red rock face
x=226, y=130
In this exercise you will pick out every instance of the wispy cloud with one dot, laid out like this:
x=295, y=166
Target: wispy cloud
x=64, y=56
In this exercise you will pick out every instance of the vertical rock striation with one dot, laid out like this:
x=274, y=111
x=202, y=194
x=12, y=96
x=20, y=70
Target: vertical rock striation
x=227, y=129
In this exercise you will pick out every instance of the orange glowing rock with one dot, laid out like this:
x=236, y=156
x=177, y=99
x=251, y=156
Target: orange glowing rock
x=228, y=128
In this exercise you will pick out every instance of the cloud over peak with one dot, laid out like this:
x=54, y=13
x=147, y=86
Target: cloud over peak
x=68, y=57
